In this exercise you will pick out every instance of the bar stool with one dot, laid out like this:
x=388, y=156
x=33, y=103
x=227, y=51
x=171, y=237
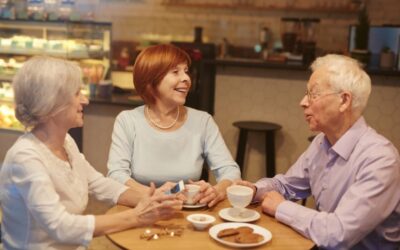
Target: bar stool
x=257, y=126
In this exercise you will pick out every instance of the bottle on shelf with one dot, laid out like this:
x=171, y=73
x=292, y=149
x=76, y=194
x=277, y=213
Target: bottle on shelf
x=51, y=8
x=65, y=9
x=35, y=9
x=7, y=9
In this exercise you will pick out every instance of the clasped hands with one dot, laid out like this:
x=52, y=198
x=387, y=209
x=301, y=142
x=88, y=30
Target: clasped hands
x=208, y=194
x=156, y=205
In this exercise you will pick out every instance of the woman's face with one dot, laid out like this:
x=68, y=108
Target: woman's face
x=72, y=115
x=175, y=85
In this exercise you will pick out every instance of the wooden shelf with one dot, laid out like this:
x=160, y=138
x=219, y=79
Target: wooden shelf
x=340, y=9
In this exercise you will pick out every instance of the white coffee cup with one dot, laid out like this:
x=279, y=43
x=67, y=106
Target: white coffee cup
x=190, y=193
x=239, y=196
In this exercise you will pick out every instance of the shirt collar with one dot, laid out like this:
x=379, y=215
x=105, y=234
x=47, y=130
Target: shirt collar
x=346, y=143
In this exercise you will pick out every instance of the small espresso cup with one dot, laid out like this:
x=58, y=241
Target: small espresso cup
x=239, y=196
x=190, y=193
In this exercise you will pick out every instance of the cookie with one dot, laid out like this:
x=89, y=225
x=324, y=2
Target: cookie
x=248, y=238
x=227, y=232
x=244, y=230
x=230, y=238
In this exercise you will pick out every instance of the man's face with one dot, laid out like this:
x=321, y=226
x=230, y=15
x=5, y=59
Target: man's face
x=321, y=103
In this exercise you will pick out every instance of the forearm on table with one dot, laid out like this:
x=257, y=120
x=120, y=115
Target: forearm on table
x=223, y=184
x=136, y=185
x=133, y=194
x=111, y=223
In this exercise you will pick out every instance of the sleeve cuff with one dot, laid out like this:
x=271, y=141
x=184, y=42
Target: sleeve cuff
x=227, y=173
x=118, y=193
x=262, y=187
x=120, y=178
x=89, y=233
x=286, y=211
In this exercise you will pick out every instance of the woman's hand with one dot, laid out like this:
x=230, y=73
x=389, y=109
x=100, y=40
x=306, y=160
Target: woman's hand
x=208, y=194
x=156, y=206
x=168, y=186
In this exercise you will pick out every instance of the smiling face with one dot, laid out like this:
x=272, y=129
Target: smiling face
x=322, y=104
x=174, y=87
x=72, y=115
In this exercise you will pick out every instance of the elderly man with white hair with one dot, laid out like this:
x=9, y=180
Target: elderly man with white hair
x=352, y=172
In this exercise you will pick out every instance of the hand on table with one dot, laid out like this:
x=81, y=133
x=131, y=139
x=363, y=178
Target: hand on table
x=208, y=194
x=271, y=201
x=156, y=206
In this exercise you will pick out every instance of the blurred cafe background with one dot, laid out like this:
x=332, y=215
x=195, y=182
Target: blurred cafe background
x=250, y=61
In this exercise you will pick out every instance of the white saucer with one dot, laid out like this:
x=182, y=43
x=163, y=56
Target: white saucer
x=235, y=215
x=257, y=229
x=192, y=206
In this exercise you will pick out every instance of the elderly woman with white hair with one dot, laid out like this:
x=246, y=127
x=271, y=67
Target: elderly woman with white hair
x=352, y=172
x=45, y=181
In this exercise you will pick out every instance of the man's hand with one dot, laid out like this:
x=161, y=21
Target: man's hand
x=247, y=184
x=271, y=202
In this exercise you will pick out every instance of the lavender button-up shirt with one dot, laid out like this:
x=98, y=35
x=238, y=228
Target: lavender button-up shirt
x=356, y=186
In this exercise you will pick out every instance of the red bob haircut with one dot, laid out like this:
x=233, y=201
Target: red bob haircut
x=151, y=66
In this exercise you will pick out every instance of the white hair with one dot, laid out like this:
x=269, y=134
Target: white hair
x=43, y=87
x=346, y=74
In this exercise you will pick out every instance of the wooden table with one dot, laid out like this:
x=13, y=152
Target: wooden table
x=283, y=237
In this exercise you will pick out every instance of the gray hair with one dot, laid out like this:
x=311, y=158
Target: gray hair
x=346, y=74
x=43, y=87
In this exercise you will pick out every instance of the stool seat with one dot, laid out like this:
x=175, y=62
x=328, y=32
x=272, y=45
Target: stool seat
x=257, y=126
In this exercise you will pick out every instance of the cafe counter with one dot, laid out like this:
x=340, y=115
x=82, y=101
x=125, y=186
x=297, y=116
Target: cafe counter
x=94, y=138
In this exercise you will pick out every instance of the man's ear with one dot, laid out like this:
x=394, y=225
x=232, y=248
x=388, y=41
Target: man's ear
x=347, y=99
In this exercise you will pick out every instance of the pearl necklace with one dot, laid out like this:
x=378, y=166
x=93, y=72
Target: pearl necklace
x=158, y=125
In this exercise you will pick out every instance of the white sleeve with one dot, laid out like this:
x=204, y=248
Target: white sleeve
x=37, y=190
x=104, y=189
x=121, y=149
x=217, y=154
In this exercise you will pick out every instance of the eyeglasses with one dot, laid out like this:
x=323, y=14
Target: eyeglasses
x=314, y=96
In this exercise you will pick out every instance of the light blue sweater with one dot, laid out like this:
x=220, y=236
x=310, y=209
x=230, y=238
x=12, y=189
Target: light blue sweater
x=145, y=154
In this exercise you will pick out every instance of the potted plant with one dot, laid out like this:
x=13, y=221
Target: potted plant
x=361, y=52
x=386, y=58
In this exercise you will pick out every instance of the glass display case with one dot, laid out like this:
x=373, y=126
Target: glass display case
x=87, y=43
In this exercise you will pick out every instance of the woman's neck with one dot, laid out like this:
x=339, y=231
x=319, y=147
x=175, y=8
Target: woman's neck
x=53, y=138
x=164, y=118
x=162, y=111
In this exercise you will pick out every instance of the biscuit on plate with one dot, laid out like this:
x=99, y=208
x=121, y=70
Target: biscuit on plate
x=230, y=238
x=248, y=238
x=244, y=230
x=227, y=232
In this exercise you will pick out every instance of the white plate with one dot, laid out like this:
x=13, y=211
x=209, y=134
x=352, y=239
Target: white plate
x=234, y=214
x=194, y=205
x=257, y=229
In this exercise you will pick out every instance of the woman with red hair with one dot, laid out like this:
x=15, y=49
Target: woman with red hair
x=163, y=140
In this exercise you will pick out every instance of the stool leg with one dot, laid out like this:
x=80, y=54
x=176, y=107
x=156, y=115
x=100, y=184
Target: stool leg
x=241, y=149
x=270, y=153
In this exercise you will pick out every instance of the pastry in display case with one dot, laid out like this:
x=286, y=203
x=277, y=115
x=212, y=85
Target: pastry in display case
x=7, y=114
x=87, y=43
